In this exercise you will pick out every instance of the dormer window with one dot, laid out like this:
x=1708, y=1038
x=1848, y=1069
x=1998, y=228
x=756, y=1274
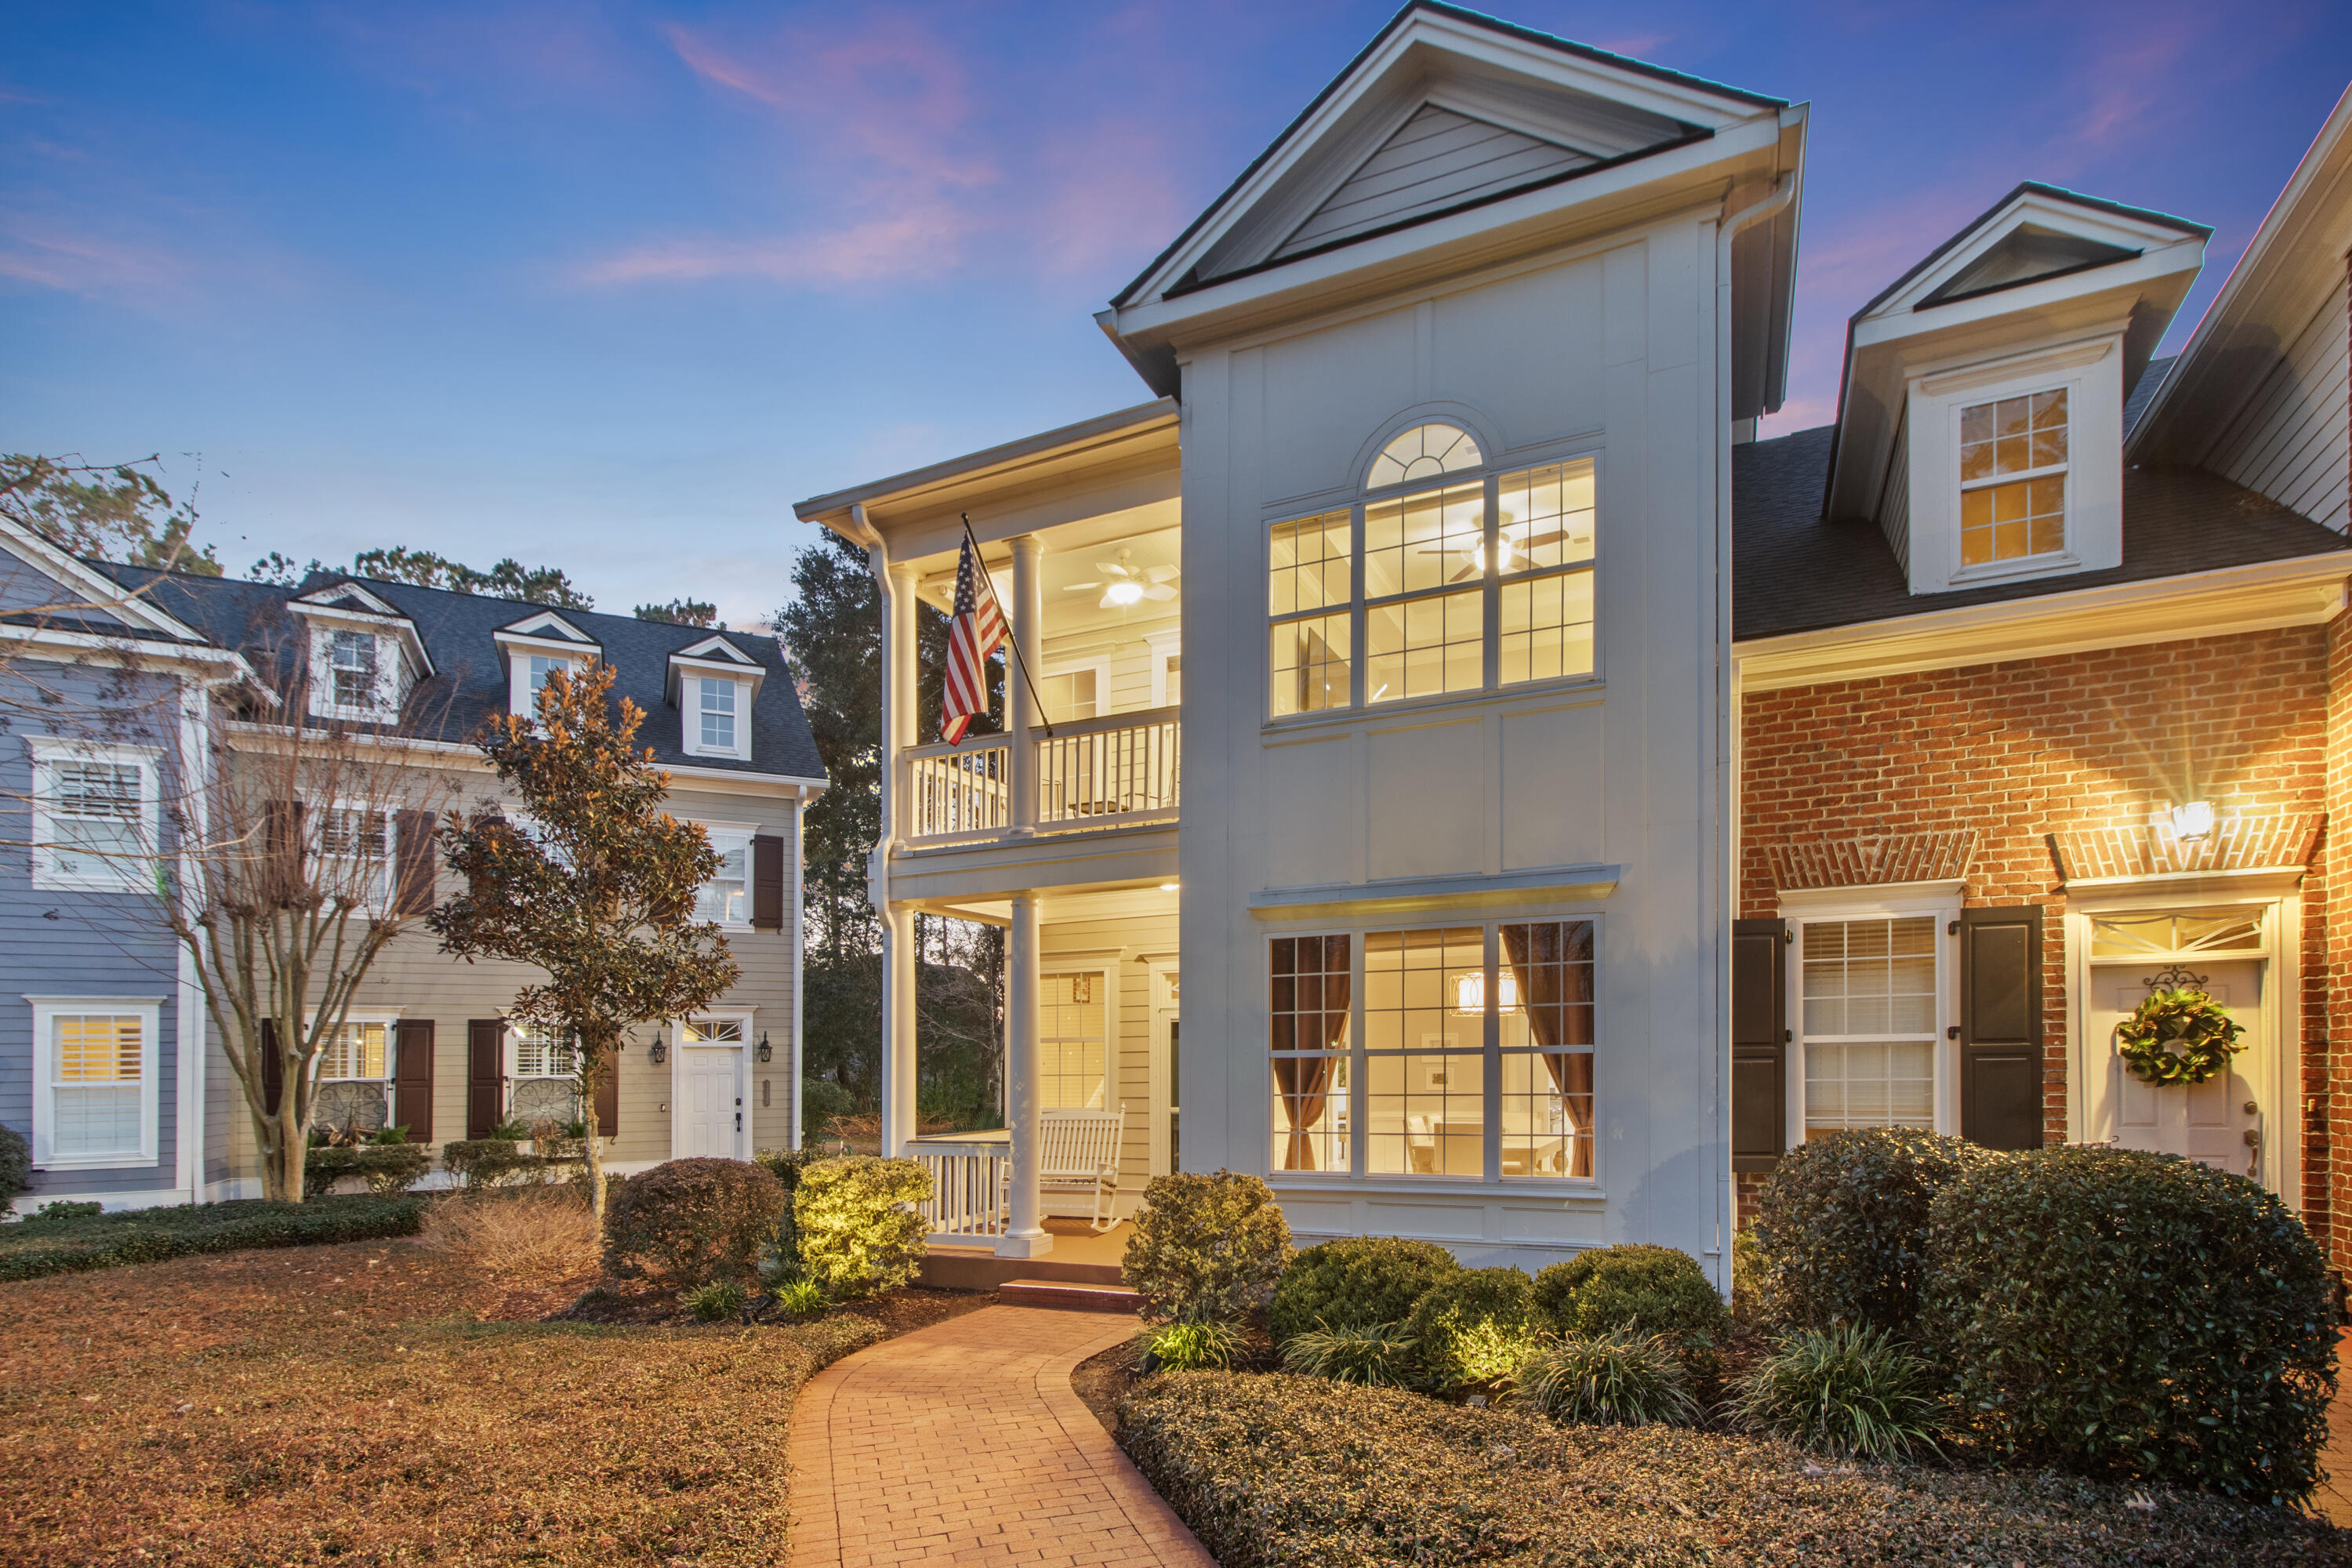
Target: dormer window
x=713, y=685
x=351, y=659
x=539, y=667
x=365, y=656
x=2013, y=478
x=720, y=699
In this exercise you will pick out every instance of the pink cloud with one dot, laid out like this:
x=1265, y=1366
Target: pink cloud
x=49, y=255
x=922, y=240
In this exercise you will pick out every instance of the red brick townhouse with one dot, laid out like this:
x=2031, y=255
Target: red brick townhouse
x=2046, y=697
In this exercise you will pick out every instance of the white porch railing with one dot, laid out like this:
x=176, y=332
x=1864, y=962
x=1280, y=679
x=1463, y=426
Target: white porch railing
x=1122, y=765
x=970, y=1182
x=1111, y=772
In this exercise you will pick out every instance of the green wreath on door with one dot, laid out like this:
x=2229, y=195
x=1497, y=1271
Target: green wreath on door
x=2179, y=1036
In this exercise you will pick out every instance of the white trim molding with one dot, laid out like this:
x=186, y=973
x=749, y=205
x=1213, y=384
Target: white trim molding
x=47, y=1012
x=133, y=873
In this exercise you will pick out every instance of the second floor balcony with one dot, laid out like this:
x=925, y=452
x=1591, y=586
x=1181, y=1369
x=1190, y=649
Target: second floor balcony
x=1118, y=769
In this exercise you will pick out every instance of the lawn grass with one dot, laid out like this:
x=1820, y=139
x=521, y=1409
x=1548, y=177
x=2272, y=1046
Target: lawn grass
x=1276, y=1469
x=31, y=1250
x=376, y=1402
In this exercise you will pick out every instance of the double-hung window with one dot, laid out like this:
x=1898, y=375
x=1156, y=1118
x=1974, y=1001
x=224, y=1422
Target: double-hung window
x=1469, y=581
x=1073, y=1041
x=1868, y=1018
x=1459, y=1052
x=718, y=714
x=355, y=847
x=95, y=816
x=2013, y=461
x=352, y=668
x=95, y=1080
x=355, y=1078
x=726, y=898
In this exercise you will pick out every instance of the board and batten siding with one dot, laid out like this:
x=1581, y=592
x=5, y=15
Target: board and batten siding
x=1436, y=160
x=2293, y=439
x=1128, y=1059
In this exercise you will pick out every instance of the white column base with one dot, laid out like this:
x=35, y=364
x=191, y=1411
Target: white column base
x=1036, y=1246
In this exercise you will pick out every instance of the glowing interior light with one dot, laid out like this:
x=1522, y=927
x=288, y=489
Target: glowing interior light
x=1470, y=991
x=2192, y=821
x=1125, y=593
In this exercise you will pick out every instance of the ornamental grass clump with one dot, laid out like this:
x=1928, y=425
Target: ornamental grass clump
x=1475, y=1329
x=1357, y=1282
x=1378, y=1354
x=1207, y=1246
x=2127, y=1313
x=1848, y=1391
x=800, y=1299
x=716, y=1301
x=1622, y=1377
x=687, y=1222
x=861, y=1229
x=1184, y=1346
x=1843, y=1223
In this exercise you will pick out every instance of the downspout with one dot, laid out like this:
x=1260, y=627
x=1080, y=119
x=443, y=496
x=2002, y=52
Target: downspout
x=1726, y=705
x=800, y=961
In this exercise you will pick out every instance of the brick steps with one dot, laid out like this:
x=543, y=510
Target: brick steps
x=1086, y=1297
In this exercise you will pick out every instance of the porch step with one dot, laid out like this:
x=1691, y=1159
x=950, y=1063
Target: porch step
x=1068, y=1293
x=979, y=1268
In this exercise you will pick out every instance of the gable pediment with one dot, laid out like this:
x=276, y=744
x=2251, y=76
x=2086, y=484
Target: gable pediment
x=2036, y=234
x=2027, y=254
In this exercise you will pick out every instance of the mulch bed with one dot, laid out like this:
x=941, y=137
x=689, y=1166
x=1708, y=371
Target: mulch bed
x=378, y=1401
x=1272, y=1469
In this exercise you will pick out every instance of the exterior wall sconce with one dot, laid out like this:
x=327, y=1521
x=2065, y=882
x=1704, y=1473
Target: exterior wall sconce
x=766, y=1052
x=658, y=1052
x=2192, y=821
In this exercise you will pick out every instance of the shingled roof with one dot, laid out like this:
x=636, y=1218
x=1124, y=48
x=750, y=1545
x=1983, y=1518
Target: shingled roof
x=470, y=683
x=1793, y=570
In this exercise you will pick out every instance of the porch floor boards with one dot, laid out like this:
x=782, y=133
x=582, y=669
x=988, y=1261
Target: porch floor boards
x=964, y=1443
x=1079, y=1257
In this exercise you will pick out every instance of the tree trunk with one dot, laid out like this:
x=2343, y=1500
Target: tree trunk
x=293, y=1150
x=592, y=1079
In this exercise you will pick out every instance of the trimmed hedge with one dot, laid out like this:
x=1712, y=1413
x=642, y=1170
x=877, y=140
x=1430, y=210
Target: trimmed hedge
x=859, y=1229
x=1207, y=1246
x=1842, y=1224
x=151, y=1236
x=1359, y=1282
x=1635, y=1285
x=501, y=1161
x=2123, y=1312
x=1473, y=1329
x=687, y=1222
x=15, y=1167
x=388, y=1167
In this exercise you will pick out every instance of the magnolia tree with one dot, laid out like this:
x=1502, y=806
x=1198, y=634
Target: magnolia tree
x=595, y=885
x=303, y=848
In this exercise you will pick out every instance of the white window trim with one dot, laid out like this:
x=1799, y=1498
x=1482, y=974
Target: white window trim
x=1164, y=646
x=689, y=716
x=1939, y=900
x=522, y=701
x=746, y=831
x=388, y=658
x=136, y=876
x=45, y=1011
x=744, y=1062
x=1105, y=975
x=314, y=827
x=1048, y=668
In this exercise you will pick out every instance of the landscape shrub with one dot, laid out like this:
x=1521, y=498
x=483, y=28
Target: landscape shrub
x=1382, y=1353
x=2119, y=1311
x=780, y=1261
x=1207, y=1246
x=716, y=1300
x=388, y=1168
x=822, y=1101
x=1843, y=1223
x=801, y=1297
x=1182, y=1346
x=687, y=1222
x=1474, y=1328
x=1750, y=1271
x=499, y=1162
x=150, y=1235
x=57, y=1211
x=518, y=1233
x=1845, y=1390
x=1621, y=1377
x=15, y=1167
x=859, y=1230
x=1354, y=1283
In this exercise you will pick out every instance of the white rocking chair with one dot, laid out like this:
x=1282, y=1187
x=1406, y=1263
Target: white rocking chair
x=1079, y=1157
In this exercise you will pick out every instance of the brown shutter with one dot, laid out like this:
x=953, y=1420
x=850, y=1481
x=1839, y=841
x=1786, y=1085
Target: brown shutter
x=273, y=1065
x=608, y=1096
x=486, y=1075
x=1759, y=1048
x=411, y=1083
x=412, y=851
x=2001, y=1026
x=768, y=883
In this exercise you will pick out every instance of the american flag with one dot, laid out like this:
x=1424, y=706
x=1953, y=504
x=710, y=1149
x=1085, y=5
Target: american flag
x=976, y=632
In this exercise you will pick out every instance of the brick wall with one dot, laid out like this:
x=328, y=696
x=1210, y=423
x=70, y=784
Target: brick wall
x=2073, y=743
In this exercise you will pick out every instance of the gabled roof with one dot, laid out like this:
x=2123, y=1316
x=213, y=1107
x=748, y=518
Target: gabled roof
x=717, y=650
x=549, y=625
x=345, y=593
x=107, y=611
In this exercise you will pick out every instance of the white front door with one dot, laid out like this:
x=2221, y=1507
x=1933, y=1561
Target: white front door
x=710, y=1117
x=2208, y=1122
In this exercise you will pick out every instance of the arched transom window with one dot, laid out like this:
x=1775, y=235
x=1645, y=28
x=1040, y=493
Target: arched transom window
x=1449, y=578
x=1424, y=452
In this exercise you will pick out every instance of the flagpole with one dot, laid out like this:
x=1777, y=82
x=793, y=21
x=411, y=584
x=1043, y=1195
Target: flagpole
x=1011, y=633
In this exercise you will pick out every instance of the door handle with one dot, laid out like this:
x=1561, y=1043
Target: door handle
x=2254, y=1143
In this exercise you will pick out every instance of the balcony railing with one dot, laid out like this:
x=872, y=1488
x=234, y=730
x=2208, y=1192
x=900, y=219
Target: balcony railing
x=970, y=1182
x=1117, y=771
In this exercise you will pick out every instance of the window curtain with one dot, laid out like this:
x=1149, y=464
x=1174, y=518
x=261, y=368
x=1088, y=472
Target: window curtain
x=1305, y=1082
x=1552, y=967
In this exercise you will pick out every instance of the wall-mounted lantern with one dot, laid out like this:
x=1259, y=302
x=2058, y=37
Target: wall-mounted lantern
x=658, y=1052
x=766, y=1052
x=2192, y=820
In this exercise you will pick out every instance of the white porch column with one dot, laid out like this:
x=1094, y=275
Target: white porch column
x=899, y=957
x=899, y=722
x=1028, y=612
x=1025, y=1234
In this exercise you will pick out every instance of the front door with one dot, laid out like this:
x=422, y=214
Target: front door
x=710, y=1124
x=2219, y=1122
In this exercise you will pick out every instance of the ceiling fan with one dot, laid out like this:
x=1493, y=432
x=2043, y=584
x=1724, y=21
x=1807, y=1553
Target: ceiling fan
x=1128, y=585
x=1476, y=549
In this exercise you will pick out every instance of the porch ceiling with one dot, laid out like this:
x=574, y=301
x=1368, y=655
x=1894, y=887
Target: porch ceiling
x=1070, y=907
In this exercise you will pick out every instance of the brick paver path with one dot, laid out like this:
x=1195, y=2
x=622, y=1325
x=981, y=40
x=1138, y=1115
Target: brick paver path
x=964, y=1443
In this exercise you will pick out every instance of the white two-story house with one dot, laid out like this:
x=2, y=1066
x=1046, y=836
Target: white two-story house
x=1383, y=662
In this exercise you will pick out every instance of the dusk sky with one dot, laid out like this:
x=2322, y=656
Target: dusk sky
x=609, y=286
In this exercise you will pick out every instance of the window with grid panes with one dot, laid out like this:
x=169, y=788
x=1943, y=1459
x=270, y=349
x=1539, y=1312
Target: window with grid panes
x=96, y=1062
x=2013, y=478
x=1310, y=588
x=1073, y=1042
x=1868, y=1021
x=351, y=664
x=1309, y=990
x=1425, y=1051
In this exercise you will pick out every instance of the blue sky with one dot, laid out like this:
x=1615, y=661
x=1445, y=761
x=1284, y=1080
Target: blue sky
x=609, y=286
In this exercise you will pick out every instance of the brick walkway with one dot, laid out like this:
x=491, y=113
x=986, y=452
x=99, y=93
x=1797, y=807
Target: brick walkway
x=964, y=1443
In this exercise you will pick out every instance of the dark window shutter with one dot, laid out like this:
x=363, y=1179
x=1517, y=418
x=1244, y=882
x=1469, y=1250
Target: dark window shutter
x=273, y=1065
x=1759, y=1049
x=486, y=1075
x=412, y=1082
x=768, y=883
x=608, y=1096
x=2001, y=1026
x=412, y=851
